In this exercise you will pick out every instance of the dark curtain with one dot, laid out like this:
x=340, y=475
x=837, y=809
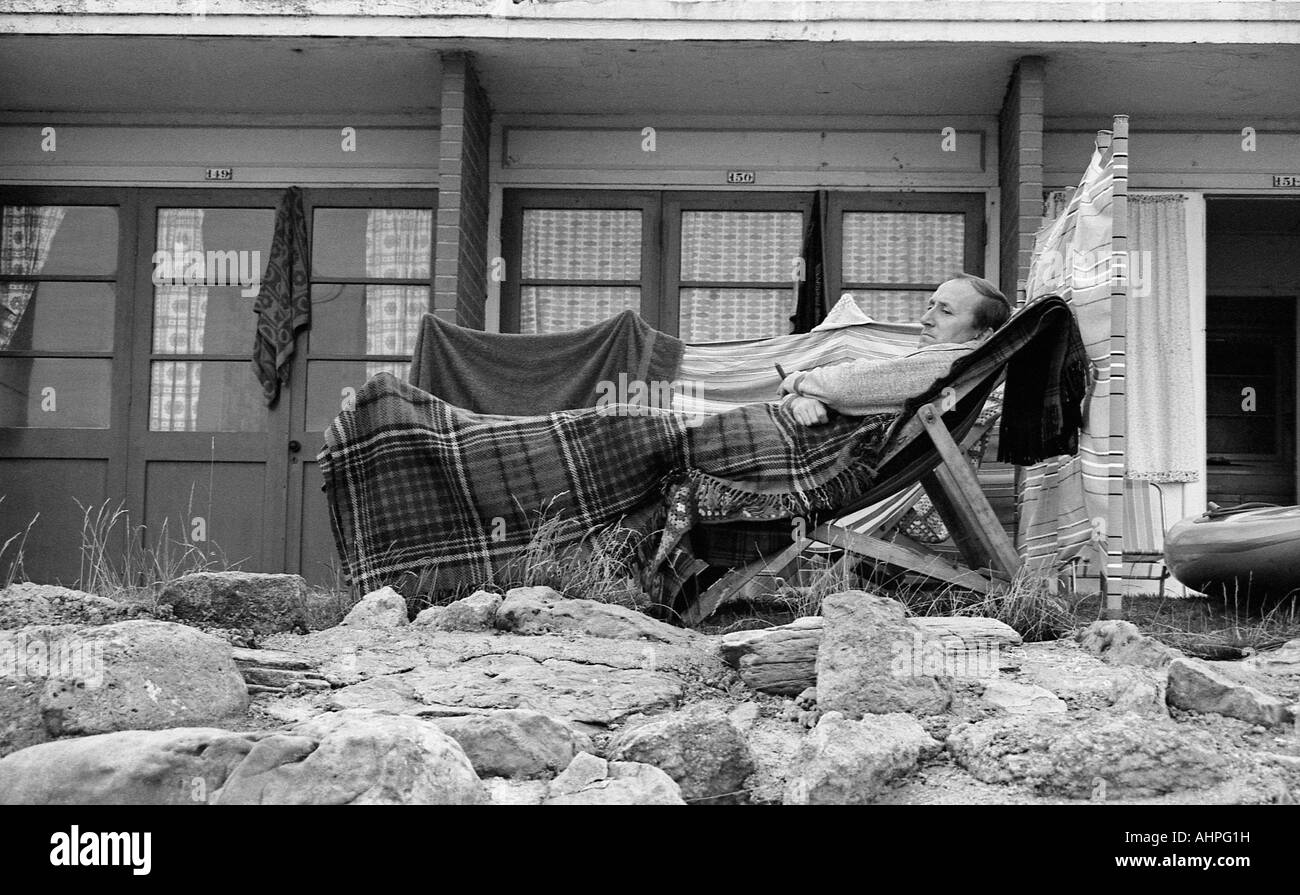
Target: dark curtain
x=812, y=305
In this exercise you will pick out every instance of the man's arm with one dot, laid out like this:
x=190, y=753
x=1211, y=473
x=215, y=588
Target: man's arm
x=862, y=387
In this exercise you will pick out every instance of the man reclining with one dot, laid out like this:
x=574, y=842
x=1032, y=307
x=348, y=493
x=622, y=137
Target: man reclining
x=962, y=313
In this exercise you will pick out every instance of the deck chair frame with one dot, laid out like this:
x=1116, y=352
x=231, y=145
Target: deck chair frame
x=954, y=490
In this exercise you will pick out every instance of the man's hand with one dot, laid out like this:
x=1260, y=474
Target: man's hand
x=809, y=411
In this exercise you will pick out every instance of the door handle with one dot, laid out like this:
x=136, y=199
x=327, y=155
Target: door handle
x=295, y=446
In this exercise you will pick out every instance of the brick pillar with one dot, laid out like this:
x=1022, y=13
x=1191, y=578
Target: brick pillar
x=1020, y=172
x=460, y=256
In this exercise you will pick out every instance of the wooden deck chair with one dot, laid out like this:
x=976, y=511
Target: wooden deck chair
x=881, y=520
x=924, y=448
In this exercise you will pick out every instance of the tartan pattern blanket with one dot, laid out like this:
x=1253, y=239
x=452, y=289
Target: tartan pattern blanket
x=416, y=485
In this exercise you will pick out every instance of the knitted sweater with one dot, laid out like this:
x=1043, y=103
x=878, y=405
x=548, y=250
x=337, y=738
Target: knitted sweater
x=863, y=387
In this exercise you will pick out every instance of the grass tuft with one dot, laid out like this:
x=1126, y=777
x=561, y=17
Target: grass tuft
x=118, y=561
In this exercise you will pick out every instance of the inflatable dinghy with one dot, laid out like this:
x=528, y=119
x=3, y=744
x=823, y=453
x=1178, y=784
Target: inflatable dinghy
x=1251, y=551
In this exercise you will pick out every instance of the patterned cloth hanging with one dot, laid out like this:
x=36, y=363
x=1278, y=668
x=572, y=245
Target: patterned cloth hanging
x=283, y=304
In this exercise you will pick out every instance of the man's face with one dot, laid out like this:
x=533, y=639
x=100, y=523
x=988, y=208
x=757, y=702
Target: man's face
x=950, y=316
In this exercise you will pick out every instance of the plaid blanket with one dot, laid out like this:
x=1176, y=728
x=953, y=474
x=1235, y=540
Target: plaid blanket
x=417, y=486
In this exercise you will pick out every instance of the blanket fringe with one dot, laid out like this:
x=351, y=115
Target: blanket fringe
x=724, y=500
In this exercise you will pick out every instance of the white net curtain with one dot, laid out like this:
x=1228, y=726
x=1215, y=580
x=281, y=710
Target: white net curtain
x=738, y=268
x=885, y=247
x=579, y=246
x=399, y=244
x=180, y=317
x=746, y=248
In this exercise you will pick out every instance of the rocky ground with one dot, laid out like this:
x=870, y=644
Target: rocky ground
x=529, y=698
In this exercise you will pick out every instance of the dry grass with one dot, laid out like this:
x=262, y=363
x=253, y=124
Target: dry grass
x=11, y=554
x=1216, y=628
x=118, y=561
x=591, y=565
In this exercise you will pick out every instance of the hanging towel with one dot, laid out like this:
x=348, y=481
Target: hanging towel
x=529, y=374
x=283, y=304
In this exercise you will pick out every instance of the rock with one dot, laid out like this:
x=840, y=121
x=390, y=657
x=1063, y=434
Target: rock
x=593, y=781
x=503, y=791
x=807, y=699
x=780, y=660
x=783, y=659
x=539, y=610
x=473, y=613
x=356, y=758
x=180, y=766
x=775, y=746
x=383, y=608
x=1121, y=643
x=1021, y=699
x=1094, y=754
x=584, y=770
x=1285, y=660
x=868, y=660
x=1082, y=680
x=744, y=716
x=698, y=747
x=274, y=670
x=339, y=759
x=1197, y=686
x=845, y=762
x=1142, y=691
x=132, y=675
x=515, y=743
x=265, y=603
x=24, y=604
x=595, y=694
x=426, y=617
x=974, y=631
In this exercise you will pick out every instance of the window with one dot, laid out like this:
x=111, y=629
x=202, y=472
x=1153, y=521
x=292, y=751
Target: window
x=58, y=289
x=894, y=250
x=716, y=266
x=371, y=269
x=206, y=265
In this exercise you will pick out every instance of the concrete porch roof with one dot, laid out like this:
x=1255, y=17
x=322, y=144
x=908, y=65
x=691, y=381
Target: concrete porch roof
x=397, y=80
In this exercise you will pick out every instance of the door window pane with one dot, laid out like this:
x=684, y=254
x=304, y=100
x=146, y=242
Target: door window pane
x=206, y=396
x=581, y=244
x=902, y=247
x=203, y=320
x=741, y=246
x=58, y=240
x=549, y=309
x=366, y=319
x=351, y=243
x=331, y=386
x=207, y=268
x=720, y=315
x=60, y=316
x=55, y=393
